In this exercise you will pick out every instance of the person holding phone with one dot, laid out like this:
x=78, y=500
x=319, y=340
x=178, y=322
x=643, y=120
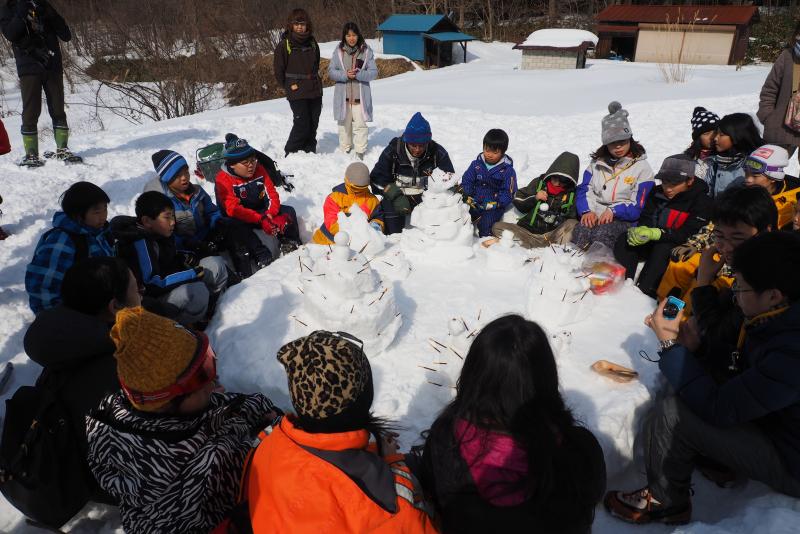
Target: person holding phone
x=748, y=423
x=352, y=67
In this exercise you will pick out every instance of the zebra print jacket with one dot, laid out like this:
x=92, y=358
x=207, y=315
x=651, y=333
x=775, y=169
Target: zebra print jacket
x=175, y=473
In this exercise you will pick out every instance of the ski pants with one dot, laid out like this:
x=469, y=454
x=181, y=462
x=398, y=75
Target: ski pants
x=31, y=86
x=303, y=136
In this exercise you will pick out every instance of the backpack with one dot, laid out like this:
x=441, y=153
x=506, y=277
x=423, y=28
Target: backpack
x=43, y=471
x=209, y=161
x=792, y=120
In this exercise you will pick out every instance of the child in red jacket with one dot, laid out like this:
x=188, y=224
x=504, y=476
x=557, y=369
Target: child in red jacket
x=245, y=191
x=5, y=148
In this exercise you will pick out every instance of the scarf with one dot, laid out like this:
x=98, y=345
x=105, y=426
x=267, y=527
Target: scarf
x=727, y=158
x=300, y=38
x=553, y=189
x=349, y=58
x=351, y=50
x=749, y=324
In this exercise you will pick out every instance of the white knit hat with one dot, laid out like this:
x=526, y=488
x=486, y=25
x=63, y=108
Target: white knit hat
x=769, y=160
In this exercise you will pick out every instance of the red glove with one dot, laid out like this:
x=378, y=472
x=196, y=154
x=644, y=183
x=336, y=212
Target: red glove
x=268, y=227
x=281, y=221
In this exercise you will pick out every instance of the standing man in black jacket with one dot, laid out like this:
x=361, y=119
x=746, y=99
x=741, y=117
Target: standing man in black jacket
x=34, y=28
x=296, y=66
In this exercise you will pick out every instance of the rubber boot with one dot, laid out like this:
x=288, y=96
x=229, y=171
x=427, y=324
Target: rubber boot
x=31, y=144
x=62, y=136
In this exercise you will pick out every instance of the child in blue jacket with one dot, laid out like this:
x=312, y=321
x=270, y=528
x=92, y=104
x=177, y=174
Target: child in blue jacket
x=80, y=230
x=489, y=183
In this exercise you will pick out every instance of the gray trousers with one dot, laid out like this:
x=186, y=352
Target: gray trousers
x=675, y=437
x=188, y=303
x=606, y=234
x=31, y=87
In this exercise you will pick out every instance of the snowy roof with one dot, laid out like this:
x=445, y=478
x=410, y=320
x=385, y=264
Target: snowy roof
x=558, y=38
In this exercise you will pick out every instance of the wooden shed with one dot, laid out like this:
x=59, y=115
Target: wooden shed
x=426, y=38
x=716, y=35
x=556, y=48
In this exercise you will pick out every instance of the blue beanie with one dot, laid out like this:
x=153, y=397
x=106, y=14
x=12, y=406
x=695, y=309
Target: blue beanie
x=168, y=164
x=236, y=149
x=418, y=130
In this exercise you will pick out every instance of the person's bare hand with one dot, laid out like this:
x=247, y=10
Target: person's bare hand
x=589, y=220
x=606, y=217
x=709, y=266
x=541, y=195
x=663, y=328
x=389, y=445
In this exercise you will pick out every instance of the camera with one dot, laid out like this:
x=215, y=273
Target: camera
x=673, y=306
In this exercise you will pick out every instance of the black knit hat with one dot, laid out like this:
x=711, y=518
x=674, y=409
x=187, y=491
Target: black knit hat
x=703, y=121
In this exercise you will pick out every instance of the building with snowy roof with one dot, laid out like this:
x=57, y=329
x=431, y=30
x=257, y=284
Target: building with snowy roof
x=713, y=35
x=426, y=38
x=556, y=48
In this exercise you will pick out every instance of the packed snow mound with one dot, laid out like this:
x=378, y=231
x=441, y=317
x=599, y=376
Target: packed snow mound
x=363, y=237
x=342, y=293
x=441, y=227
x=560, y=38
x=505, y=255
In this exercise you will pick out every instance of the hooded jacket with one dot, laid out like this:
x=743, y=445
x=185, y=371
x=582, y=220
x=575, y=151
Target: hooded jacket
x=622, y=187
x=338, y=73
x=35, y=44
x=154, y=260
x=497, y=184
x=342, y=199
x=77, y=355
x=174, y=473
x=296, y=63
x=560, y=206
x=246, y=199
x=395, y=167
x=55, y=253
x=774, y=100
x=678, y=218
x=786, y=200
x=308, y=483
x=766, y=392
x=195, y=216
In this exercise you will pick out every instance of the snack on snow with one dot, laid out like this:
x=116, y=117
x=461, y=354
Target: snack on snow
x=486, y=243
x=605, y=276
x=614, y=371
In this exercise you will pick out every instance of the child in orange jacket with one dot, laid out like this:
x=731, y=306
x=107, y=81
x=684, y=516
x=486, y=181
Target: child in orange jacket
x=317, y=471
x=354, y=191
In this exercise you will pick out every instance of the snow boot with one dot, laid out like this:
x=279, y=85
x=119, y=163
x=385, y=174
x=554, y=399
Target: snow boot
x=288, y=245
x=63, y=153
x=31, y=144
x=640, y=507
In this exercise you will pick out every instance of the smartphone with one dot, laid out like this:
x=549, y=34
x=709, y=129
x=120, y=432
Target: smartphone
x=672, y=307
x=359, y=64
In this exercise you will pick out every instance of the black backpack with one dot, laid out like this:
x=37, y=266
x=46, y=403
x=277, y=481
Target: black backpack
x=43, y=470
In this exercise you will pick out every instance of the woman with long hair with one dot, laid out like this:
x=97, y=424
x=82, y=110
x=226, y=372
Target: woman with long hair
x=507, y=455
x=296, y=66
x=352, y=67
x=781, y=83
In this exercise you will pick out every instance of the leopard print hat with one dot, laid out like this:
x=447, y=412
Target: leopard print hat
x=327, y=373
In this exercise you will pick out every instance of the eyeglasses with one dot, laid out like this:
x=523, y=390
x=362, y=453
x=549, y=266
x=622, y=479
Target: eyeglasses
x=755, y=166
x=736, y=289
x=200, y=372
x=249, y=161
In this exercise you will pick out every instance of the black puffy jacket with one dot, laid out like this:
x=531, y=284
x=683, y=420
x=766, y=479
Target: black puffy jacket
x=34, y=37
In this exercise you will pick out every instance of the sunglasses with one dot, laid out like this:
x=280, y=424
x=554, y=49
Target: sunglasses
x=200, y=372
x=759, y=167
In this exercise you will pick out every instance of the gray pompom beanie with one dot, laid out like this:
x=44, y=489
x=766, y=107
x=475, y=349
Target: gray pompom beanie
x=615, y=125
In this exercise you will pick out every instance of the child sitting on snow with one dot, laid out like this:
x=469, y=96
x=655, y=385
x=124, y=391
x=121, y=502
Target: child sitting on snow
x=170, y=447
x=547, y=204
x=704, y=130
x=489, y=183
x=246, y=192
x=507, y=455
x=354, y=191
x=765, y=168
x=318, y=467
x=611, y=194
x=674, y=210
x=183, y=292
x=80, y=230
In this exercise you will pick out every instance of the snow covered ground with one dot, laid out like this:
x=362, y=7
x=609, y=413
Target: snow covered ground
x=544, y=113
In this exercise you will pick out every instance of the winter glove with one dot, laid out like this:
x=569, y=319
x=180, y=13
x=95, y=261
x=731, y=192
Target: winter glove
x=641, y=235
x=402, y=205
x=376, y=225
x=268, y=227
x=199, y=272
x=391, y=192
x=281, y=221
x=470, y=202
x=489, y=205
x=683, y=252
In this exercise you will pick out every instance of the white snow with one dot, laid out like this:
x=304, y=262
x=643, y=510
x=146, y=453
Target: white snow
x=544, y=113
x=560, y=38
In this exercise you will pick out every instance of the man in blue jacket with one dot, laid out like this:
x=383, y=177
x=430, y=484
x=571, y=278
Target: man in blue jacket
x=749, y=423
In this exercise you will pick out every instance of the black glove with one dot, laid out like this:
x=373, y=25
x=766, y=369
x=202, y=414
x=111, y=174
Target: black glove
x=189, y=258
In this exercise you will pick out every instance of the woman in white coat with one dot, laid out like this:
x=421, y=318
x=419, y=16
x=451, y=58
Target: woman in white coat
x=352, y=67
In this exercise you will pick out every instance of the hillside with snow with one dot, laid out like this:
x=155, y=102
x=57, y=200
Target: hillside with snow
x=544, y=113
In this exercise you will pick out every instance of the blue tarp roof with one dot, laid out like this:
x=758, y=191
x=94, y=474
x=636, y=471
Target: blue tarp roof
x=447, y=37
x=410, y=23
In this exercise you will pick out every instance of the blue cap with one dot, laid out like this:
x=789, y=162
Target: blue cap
x=418, y=130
